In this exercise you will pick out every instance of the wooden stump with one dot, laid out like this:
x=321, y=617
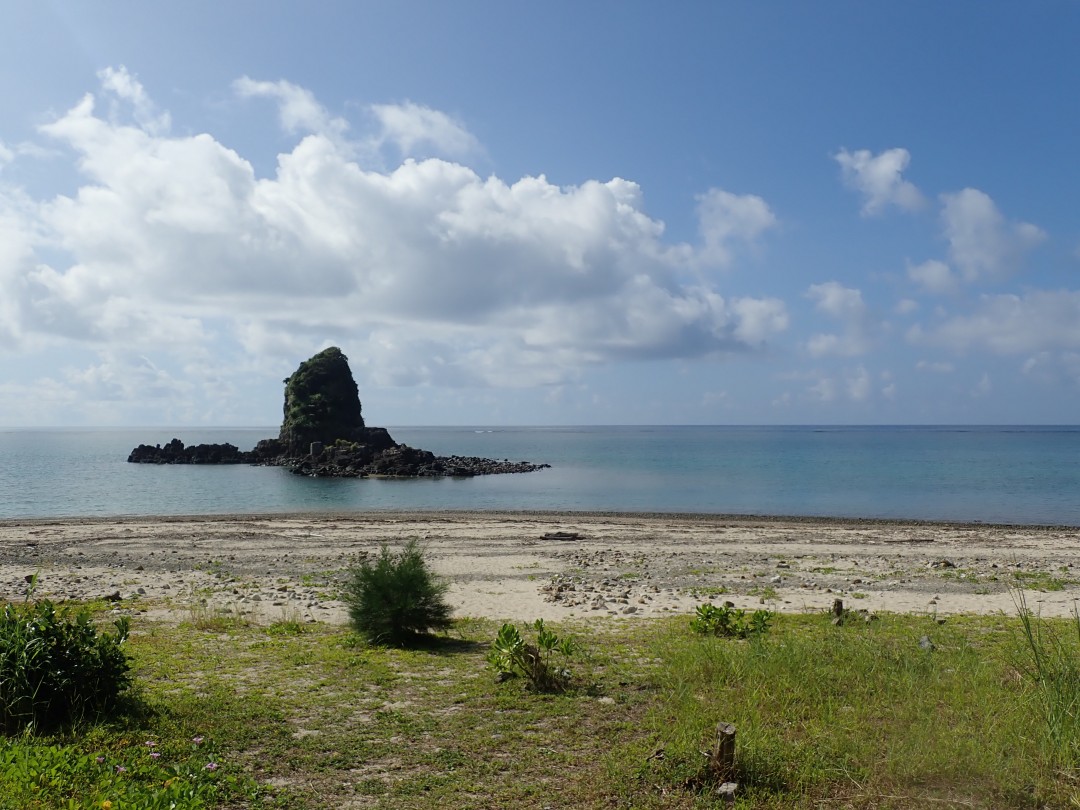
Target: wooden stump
x=722, y=759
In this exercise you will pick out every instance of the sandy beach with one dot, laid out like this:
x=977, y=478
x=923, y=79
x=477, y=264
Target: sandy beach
x=523, y=566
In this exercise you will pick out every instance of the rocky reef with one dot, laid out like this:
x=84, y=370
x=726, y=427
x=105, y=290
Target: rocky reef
x=323, y=434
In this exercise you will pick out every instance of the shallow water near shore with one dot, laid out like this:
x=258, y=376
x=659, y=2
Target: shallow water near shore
x=1017, y=475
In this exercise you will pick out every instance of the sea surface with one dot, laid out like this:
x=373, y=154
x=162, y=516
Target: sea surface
x=1019, y=475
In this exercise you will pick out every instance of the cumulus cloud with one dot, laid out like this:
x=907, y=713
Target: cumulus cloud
x=412, y=127
x=878, y=178
x=127, y=88
x=426, y=273
x=846, y=305
x=934, y=277
x=1010, y=324
x=725, y=219
x=298, y=109
x=982, y=244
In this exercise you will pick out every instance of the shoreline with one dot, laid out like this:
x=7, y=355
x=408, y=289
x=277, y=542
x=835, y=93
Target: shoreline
x=626, y=565
x=9, y=522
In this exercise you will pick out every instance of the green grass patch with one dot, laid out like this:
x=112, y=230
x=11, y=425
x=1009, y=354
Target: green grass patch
x=859, y=715
x=1041, y=581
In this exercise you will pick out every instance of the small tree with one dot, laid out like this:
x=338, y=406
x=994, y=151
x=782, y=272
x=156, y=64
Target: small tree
x=396, y=598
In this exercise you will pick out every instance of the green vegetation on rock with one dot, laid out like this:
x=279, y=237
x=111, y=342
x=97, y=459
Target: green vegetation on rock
x=322, y=403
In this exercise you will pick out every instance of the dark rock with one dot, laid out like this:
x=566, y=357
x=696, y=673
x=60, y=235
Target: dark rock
x=323, y=435
x=322, y=404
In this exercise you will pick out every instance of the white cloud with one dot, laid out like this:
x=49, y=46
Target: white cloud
x=879, y=179
x=833, y=298
x=858, y=384
x=725, y=218
x=846, y=305
x=127, y=88
x=425, y=274
x=411, y=126
x=982, y=244
x=1053, y=367
x=934, y=277
x=1010, y=324
x=759, y=319
x=983, y=387
x=824, y=390
x=906, y=306
x=298, y=109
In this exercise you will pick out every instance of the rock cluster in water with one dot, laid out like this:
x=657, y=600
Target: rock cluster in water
x=323, y=434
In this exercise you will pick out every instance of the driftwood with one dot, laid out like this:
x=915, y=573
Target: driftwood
x=562, y=536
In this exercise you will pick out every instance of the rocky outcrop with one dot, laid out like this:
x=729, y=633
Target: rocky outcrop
x=322, y=404
x=343, y=460
x=176, y=453
x=323, y=434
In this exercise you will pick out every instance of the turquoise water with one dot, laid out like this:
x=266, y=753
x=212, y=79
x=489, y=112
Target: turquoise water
x=1024, y=475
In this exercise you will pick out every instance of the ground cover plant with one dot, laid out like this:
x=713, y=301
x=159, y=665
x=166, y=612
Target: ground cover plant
x=857, y=715
x=728, y=622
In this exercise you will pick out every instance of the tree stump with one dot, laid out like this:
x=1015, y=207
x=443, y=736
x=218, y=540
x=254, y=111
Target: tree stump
x=722, y=759
x=838, y=611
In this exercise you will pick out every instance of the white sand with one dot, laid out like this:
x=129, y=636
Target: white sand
x=501, y=567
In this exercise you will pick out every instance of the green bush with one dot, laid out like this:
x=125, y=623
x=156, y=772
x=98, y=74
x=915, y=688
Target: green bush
x=727, y=622
x=55, y=668
x=511, y=656
x=397, y=598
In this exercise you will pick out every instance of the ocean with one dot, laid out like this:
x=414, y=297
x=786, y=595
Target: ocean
x=1017, y=475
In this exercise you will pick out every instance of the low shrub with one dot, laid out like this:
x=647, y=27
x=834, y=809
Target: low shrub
x=511, y=656
x=727, y=622
x=397, y=598
x=56, y=668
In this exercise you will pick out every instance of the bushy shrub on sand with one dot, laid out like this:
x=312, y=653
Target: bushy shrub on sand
x=56, y=668
x=397, y=598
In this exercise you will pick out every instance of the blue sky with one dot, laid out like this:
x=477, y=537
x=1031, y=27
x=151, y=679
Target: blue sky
x=564, y=213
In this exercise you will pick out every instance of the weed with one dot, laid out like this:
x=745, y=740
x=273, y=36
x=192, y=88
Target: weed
x=291, y=623
x=727, y=622
x=511, y=656
x=1040, y=581
x=1052, y=665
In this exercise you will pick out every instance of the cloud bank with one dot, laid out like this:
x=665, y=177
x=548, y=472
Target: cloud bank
x=426, y=271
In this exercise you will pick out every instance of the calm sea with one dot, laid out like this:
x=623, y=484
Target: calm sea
x=1023, y=475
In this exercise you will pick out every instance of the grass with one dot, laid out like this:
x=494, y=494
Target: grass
x=1041, y=581
x=856, y=716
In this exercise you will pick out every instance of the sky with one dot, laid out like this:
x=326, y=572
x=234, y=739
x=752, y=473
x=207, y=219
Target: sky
x=542, y=214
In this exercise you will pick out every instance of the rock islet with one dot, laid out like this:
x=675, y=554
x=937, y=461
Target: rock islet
x=323, y=435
